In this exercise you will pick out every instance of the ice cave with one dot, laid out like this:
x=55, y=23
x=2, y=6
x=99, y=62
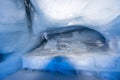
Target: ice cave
x=59, y=39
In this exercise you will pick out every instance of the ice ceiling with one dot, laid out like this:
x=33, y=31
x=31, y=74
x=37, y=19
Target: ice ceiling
x=22, y=24
x=99, y=11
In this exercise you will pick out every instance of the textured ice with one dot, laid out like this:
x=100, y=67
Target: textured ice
x=102, y=16
x=14, y=8
x=17, y=35
x=98, y=13
x=82, y=50
x=13, y=24
x=41, y=59
x=76, y=50
x=81, y=8
x=14, y=36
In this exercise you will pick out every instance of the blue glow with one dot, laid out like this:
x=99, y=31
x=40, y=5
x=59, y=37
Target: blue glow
x=60, y=64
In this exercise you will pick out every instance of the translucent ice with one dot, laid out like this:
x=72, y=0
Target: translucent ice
x=13, y=24
x=17, y=36
x=100, y=15
x=14, y=36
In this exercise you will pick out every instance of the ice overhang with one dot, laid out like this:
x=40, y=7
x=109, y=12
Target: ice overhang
x=91, y=11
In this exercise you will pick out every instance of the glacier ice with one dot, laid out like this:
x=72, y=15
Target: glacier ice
x=14, y=36
x=102, y=16
x=13, y=24
x=66, y=53
x=89, y=12
x=89, y=9
x=23, y=27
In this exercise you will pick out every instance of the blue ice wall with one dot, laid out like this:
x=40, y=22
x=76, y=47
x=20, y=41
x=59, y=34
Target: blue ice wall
x=13, y=28
x=16, y=36
x=13, y=25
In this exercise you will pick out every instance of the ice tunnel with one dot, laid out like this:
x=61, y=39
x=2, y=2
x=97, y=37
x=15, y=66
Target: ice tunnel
x=60, y=39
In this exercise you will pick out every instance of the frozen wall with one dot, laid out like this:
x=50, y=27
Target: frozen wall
x=102, y=16
x=20, y=29
x=15, y=38
x=98, y=13
x=13, y=24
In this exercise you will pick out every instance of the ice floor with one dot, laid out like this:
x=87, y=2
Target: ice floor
x=43, y=75
x=37, y=75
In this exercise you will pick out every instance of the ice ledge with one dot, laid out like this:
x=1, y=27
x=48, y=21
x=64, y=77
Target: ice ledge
x=101, y=61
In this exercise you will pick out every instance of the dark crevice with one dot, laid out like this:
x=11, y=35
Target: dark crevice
x=28, y=13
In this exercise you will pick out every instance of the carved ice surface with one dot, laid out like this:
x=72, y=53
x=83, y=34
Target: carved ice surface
x=102, y=16
x=17, y=35
x=98, y=13
x=65, y=53
x=81, y=8
x=13, y=24
x=14, y=36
